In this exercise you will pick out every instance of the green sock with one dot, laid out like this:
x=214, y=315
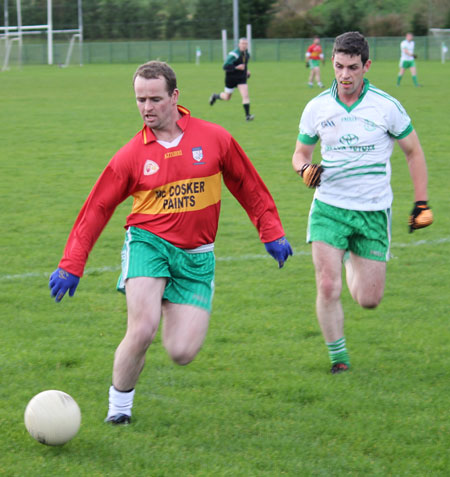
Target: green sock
x=338, y=352
x=399, y=78
x=414, y=78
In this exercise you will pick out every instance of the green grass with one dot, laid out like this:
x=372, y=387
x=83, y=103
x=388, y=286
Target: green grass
x=258, y=400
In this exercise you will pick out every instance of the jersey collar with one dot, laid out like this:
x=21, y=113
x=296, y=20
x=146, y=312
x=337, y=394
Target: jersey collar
x=147, y=133
x=334, y=93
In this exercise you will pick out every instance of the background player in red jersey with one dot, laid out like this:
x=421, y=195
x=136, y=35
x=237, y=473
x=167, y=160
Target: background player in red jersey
x=173, y=168
x=314, y=56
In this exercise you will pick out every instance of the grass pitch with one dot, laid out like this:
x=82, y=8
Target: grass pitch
x=258, y=400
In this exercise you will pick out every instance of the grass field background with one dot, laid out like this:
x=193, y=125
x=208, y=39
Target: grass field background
x=259, y=399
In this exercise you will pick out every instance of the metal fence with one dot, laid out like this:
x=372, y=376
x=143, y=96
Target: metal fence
x=34, y=51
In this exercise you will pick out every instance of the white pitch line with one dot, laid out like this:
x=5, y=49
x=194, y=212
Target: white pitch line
x=90, y=271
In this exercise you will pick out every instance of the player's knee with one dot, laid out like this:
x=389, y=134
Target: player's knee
x=141, y=337
x=181, y=356
x=369, y=301
x=329, y=289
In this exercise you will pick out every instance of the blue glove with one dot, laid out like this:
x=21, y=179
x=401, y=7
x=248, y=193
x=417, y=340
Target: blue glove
x=61, y=281
x=280, y=250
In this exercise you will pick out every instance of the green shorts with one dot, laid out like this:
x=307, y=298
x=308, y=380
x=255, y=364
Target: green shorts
x=314, y=63
x=367, y=234
x=190, y=275
x=407, y=64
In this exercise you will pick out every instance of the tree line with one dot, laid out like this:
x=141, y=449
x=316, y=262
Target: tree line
x=184, y=19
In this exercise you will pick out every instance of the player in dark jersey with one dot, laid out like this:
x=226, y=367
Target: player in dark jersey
x=173, y=168
x=236, y=75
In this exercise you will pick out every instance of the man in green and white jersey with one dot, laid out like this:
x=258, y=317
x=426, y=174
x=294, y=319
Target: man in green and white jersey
x=407, y=59
x=357, y=125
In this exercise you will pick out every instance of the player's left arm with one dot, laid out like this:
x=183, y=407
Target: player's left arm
x=244, y=182
x=421, y=215
x=415, y=157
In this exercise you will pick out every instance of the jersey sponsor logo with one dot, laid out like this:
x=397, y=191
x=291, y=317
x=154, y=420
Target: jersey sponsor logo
x=197, y=153
x=170, y=154
x=368, y=148
x=150, y=168
x=349, y=139
x=328, y=123
x=181, y=196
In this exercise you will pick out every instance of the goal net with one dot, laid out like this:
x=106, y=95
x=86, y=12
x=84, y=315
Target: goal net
x=44, y=43
x=442, y=38
x=32, y=48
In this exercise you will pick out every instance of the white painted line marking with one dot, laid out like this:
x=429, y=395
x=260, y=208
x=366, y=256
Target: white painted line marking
x=89, y=271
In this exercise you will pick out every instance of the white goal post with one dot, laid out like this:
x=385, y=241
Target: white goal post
x=442, y=35
x=11, y=34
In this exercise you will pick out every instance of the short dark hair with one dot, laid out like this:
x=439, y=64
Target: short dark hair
x=156, y=69
x=352, y=43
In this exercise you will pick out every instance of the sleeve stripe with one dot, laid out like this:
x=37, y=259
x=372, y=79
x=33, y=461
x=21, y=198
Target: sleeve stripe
x=405, y=133
x=305, y=139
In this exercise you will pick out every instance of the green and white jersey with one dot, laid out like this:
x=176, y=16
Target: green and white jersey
x=409, y=46
x=356, y=146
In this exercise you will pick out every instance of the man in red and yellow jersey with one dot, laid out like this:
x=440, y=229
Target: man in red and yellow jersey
x=314, y=55
x=173, y=168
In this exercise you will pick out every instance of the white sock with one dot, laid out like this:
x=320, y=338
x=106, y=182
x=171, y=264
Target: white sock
x=120, y=402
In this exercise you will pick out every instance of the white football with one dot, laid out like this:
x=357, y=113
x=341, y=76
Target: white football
x=52, y=417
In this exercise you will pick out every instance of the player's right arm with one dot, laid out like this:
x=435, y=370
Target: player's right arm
x=229, y=64
x=108, y=192
x=302, y=155
x=302, y=164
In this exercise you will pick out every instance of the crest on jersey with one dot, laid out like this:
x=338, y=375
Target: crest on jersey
x=197, y=153
x=150, y=168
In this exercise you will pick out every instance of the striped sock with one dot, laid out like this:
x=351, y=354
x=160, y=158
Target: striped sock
x=338, y=352
x=414, y=78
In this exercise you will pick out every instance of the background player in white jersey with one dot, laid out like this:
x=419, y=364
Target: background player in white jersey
x=407, y=59
x=357, y=125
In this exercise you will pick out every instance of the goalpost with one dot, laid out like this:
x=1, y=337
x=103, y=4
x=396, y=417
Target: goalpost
x=10, y=35
x=442, y=36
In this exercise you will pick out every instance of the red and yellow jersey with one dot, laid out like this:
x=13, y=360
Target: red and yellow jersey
x=314, y=52
x=177, y=191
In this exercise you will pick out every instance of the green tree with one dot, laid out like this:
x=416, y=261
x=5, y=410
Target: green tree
x=257, y=13
x=132, y=23
x=210, y=18
x=154, y=17
x=419, y=24
x=177, y=19
x=294, y=26
x=392, y=24
x=340, y=16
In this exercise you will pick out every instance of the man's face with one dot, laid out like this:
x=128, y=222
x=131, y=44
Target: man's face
x=409, y=36
x=243, y=45
x=157, y=108
x=349, y=73
x=316, y=41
